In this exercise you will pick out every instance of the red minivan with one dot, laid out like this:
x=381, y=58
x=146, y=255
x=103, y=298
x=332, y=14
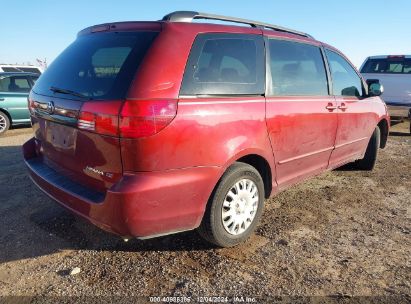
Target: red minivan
x=152, y=128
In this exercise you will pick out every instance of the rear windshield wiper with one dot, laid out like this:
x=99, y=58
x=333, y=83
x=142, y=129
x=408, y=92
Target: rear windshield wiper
x=69, y=92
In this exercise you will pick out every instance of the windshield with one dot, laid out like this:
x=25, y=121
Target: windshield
x=98, y=66
x=393, y=65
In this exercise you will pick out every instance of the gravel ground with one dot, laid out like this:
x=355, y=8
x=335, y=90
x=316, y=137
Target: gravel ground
x=344, y=234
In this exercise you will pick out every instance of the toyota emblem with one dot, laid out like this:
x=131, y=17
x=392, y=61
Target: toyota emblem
x=50, y=107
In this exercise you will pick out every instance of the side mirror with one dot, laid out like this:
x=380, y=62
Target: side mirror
x=375, y=88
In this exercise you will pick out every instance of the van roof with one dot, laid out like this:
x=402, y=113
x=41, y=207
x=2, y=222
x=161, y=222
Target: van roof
x=189, y=17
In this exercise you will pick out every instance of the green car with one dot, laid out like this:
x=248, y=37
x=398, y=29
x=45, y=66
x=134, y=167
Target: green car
x=14, y=90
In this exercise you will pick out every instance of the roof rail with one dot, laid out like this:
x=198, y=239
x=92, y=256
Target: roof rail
x=189, y=16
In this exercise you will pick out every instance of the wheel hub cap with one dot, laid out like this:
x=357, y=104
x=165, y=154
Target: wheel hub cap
x=240, y=206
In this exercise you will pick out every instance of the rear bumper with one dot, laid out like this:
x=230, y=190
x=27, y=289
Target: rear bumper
x=143, y=205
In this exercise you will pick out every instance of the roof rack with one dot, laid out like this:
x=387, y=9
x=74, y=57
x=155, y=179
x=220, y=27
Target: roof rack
x=189, y=16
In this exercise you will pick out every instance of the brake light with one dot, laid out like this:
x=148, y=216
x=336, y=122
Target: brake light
x=100, y=28
x=137, y=118
x=31, y=105
x=142, y=118
x=100, y=117
x=396, y=56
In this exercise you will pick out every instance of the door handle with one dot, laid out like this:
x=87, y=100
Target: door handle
x=343, y=107
x=330, y=107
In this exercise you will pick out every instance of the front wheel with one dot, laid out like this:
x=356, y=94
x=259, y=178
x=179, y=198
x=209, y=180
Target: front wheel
x=370, y=157
x=235, y=206
x=4, y=123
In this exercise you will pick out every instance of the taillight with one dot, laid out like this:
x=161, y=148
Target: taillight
x=100, y=117
x=142, y=118
x=137, y=118
x=395, y=57
x=31, y=105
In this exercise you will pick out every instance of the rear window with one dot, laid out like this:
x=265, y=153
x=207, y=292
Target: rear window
x=10, y=69
x=393, y=65
x=98, y=66
x=31, y=70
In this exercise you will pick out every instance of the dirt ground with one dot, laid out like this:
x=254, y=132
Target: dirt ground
x=344, y=234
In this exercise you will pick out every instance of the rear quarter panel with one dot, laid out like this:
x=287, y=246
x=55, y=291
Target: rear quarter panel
x=206, y=136
x=212, y=132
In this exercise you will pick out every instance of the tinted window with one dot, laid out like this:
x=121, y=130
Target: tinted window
x=346, y=81
x=31, y=70
x=297, y=69
x=16, y=84
x=225, y=64
x=100, y=66
x=10, y=69
x=394, y=65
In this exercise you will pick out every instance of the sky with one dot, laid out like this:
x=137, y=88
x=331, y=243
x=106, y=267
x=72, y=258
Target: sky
x=359, y=28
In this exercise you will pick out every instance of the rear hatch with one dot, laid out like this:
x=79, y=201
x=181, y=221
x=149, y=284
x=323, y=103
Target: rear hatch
x=394, y=73
x=75, y=105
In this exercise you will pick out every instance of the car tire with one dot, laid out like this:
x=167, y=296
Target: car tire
x=370, y=157
x=4, y=123
x=237, y=198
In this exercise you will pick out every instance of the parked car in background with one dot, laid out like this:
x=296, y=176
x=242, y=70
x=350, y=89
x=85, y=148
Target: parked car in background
x=394, y=73
x=152, y=128
x=14, y=90
x=21, y=68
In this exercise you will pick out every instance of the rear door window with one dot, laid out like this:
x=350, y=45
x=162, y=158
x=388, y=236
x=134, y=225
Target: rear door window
x=296, y=69
x=346, y=81
x=98, y=66
x=15, y=84
x=225, y=64
x=10, y=69
x=390, y=65
x=21, y=84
